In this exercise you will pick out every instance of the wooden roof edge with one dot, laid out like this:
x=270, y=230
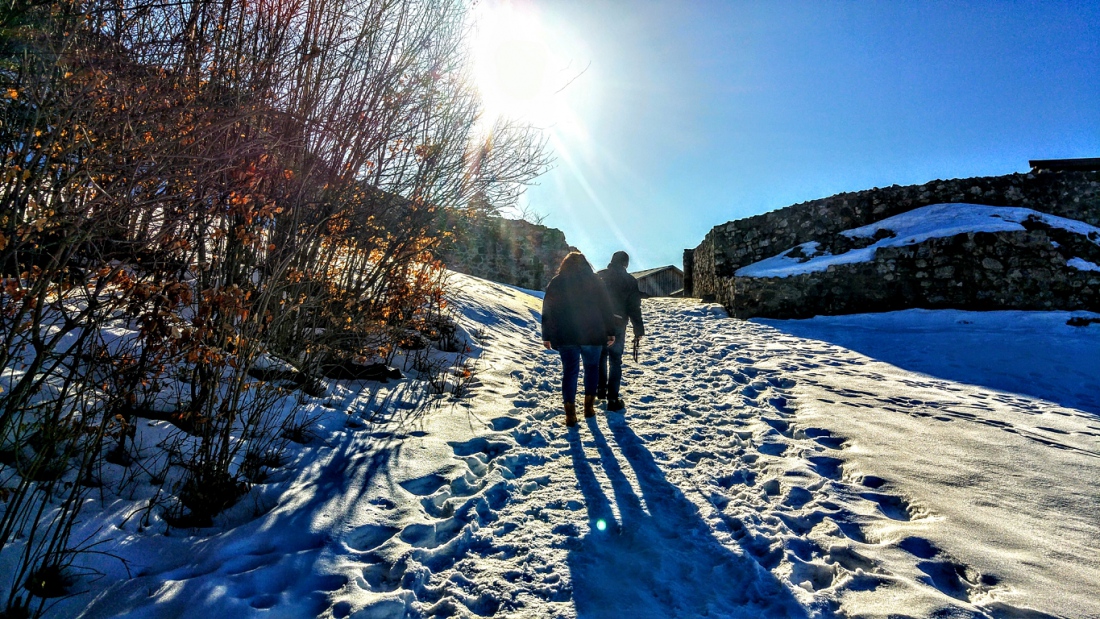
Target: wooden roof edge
x=647, y=272
x=1084, y=163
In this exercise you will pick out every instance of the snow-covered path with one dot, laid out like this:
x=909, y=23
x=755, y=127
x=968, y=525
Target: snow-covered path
x=539, y=521
x=755, y=473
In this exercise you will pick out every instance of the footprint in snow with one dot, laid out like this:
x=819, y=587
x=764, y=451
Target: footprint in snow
x=826, y=466
x=501, y=424
x=530, y=439
x=426, y=485
x=382, y=577
x=781, y=426
x=772, y=449
x=894, y=507
x=918, y=547
x=431, y=535
x=780, y=404
x=798, y=497
x=831, y=442
x=962, y=582
x=481, y=445
x=368, y=537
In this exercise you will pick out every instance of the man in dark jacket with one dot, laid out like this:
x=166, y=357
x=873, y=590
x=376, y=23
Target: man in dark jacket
x=626, y=303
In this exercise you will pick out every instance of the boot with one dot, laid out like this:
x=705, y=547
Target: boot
x=570, y=414
x=589, y=406
x=615, y=404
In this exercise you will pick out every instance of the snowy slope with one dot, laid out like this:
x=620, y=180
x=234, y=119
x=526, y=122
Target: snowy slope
x=917, y=226
x=778, y=469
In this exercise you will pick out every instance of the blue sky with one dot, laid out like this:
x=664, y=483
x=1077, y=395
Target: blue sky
x=691, y=114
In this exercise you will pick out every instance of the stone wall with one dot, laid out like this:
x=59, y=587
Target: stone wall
x=730, y=246
x=978, y=271
x=509, y=251
x=689, y=270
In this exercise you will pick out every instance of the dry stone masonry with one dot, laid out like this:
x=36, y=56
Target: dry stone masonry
x=509, y=251
x=1026, y=269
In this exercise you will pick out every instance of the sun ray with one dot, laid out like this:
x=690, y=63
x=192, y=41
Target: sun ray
x=566, y=157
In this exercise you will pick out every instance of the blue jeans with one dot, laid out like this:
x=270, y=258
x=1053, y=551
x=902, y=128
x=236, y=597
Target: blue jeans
x=571, y=357
x=611, y=367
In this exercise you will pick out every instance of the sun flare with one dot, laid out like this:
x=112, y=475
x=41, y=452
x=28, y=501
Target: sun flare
x=514, y=66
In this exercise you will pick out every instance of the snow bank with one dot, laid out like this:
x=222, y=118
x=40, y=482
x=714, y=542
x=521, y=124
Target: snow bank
x=910, y=228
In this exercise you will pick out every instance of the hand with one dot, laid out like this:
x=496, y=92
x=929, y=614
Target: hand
x=546, y=345
x=611, y=340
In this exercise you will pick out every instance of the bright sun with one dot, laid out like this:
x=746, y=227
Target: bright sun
x=513, y=64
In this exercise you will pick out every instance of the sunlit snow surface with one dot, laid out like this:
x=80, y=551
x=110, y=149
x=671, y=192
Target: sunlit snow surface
x=917, y=226
x=1082, y=264
x=918, y=464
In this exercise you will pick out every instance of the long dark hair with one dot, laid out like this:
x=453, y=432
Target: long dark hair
x=575, y=264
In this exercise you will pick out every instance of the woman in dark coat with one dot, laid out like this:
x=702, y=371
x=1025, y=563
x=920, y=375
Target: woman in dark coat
x=577, y=321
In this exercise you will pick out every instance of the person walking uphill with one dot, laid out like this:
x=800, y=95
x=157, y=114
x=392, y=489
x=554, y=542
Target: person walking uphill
x=626, y=303
x=577, y=321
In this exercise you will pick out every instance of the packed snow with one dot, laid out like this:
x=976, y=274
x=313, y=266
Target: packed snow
x=1083, y=265
x=912, y=227
x=917, y=464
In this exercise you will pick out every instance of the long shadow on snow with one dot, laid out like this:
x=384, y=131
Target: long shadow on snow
x=661, y=559
x=272, y=559
x=1062, y=365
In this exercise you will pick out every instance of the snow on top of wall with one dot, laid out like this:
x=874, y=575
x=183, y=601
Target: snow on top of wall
x=910, y=228
x=940, y=220
x=1083, y=265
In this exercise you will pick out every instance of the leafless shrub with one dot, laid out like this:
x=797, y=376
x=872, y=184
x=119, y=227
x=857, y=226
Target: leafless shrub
x=222, y=181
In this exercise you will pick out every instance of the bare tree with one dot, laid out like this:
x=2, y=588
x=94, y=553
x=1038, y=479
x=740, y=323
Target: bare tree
x=228, y=179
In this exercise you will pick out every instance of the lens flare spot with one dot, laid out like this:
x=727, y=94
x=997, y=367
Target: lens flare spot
x=601, y=524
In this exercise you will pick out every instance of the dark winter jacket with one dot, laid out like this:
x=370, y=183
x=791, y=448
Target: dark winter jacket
x=576, y=311
x=626, y=299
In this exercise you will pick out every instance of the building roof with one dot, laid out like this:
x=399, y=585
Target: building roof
x=647, y=272
x=1092, y=163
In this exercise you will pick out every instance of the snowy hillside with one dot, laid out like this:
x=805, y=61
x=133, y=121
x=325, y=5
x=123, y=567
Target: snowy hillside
x=916, y=226
x=918, y=464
